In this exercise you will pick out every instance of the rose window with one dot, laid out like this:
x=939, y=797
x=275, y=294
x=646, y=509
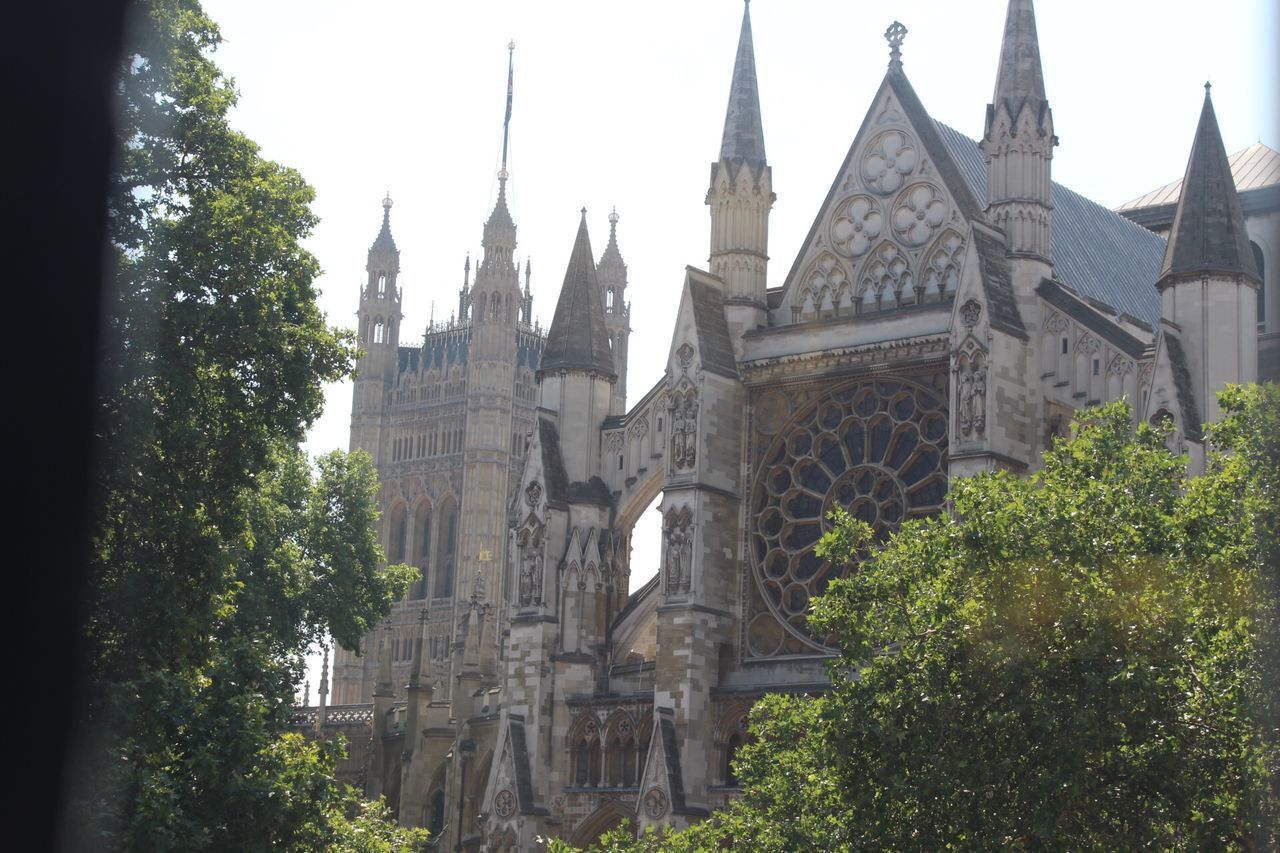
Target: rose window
x=889, y=159
x=919, y=213
x=874, y=447
x=857, y=222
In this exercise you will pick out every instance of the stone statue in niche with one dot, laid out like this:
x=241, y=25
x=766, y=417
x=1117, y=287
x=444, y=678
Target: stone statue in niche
x=529, y=587
x=679, y=535
x=973, y=397
x=684, y=428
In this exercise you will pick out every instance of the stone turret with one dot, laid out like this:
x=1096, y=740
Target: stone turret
x=577, y=369
x=1208, y=282
x=612, y=274
x=740, y=197
x=379, y=321
x=1018, y=141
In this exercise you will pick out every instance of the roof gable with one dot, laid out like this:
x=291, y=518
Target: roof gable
x=894, y=221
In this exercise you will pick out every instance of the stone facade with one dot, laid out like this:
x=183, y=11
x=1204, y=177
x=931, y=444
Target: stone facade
x=949, y=310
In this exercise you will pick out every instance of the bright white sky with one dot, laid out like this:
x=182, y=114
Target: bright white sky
x=623, y=104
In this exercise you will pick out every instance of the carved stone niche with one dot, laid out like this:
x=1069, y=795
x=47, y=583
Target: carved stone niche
x=677, y=529
x=683, y=407
x=529, y=548
x=971, y=390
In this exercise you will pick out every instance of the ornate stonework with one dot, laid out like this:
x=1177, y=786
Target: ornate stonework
x=684, y=430
x=678, y=532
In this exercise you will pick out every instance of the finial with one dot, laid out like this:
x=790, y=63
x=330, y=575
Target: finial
x=584, y=214
x=894, y=35
x=613, y=215
x=1207, y=86
x=386, y=201
x=511, y=46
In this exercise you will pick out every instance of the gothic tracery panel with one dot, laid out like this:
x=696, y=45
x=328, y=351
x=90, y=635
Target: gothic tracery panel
x=876, y=447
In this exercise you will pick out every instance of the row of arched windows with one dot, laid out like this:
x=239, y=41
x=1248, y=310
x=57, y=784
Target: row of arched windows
x=439, y=442
x=491, y=306
x=611, y=760
x=440, y=527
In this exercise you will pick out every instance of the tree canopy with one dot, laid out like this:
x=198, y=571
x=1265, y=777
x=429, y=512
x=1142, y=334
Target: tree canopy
x=1082, y=659
x=218, y=554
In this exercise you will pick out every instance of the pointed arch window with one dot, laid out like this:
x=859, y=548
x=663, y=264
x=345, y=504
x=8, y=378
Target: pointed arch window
x=379, y=332
x=382, y=284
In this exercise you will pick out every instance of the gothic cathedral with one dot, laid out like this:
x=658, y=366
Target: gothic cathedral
x=949, y=310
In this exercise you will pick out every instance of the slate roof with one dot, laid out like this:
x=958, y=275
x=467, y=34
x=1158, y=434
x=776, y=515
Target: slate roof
x=1071, y=305
x=1208, y=234
x=1191, y=426
x=1001, y=304
x=743, y=129
x=552, y=462
x=1096, y=252
x=578, y=339
x=666, y=731
x=714, y=344
x=520, y=760
x=1252, y=168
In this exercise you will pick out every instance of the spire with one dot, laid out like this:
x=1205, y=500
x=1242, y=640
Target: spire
x=611, y=253
x=578, y=338
x=1208, y=234
x=500, y=231
x=1019, y=77
x=743, y=131
x=384, y=241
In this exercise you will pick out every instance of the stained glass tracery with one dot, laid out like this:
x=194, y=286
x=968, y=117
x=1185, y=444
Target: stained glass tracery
x=876, y=447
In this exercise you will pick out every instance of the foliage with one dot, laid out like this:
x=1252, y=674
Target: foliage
x=1081, y=659
x=217, y=554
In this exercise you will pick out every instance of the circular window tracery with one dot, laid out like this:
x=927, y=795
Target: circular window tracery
x=874, y=447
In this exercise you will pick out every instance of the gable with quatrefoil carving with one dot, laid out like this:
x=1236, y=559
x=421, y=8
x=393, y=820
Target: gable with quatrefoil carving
x=890, y=234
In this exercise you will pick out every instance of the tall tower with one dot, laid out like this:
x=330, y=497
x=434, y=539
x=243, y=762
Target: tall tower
x=1018, y=142
x=741, y=196
x=1208, y=283
x=495, y=301
x=379, y=318
x=612, y=274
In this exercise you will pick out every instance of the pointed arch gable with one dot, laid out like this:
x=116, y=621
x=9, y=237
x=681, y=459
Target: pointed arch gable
x=896, y=108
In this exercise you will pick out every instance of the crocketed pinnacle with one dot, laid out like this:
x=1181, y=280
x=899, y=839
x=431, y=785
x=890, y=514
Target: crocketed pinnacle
x=1020, y=77
x=1208, y=234
x=384, y=241
x=612, y=256
x=743, y=130
x=578, y=339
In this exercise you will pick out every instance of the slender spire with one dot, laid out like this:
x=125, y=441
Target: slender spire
x=506, y=120
x=1019, y=77
x=1208, y=234
x=743, y=130
x=578, y=338
x=384, y=241
x=500, y=230
x=611, y=252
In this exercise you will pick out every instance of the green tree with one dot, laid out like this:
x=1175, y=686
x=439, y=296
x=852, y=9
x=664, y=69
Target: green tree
x=217, y=555
x=1082, y=659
